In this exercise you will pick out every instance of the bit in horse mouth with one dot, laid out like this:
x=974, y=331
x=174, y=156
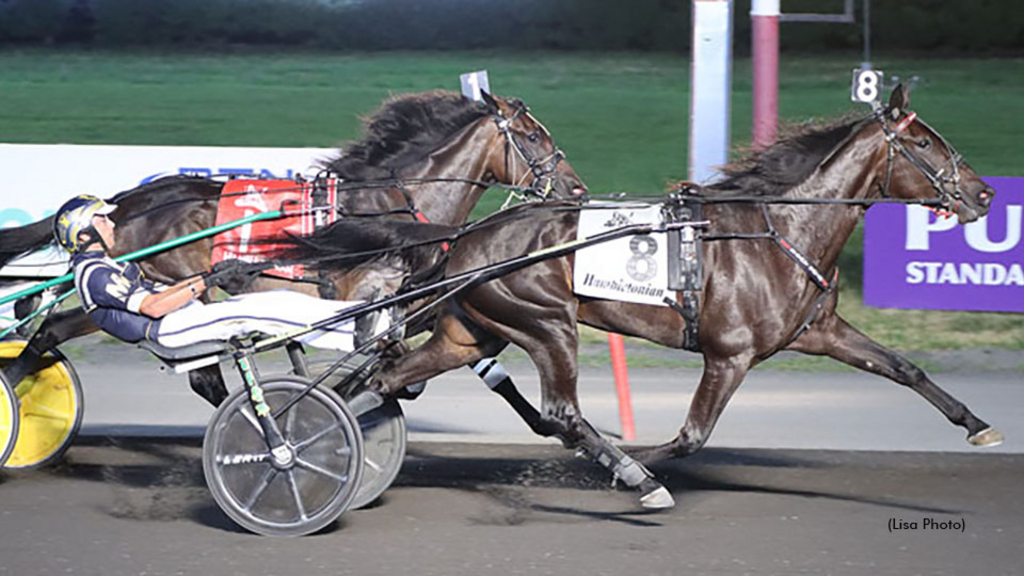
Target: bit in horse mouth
x=942, y=213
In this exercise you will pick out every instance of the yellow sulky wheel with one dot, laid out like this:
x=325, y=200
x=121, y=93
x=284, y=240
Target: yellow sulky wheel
x=8, y=419
x=50, y=409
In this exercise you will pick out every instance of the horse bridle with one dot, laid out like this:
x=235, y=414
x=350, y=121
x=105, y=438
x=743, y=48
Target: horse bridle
x=941, y=178
x=539, y=168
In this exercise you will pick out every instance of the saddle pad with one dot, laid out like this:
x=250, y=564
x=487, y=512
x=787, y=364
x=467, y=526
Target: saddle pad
x=630, y=269
x=241, y=198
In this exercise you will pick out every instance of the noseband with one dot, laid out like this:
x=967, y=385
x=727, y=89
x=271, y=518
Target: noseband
x=539, y=168
x=946, y=176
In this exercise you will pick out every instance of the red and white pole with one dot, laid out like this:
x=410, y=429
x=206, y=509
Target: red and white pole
x=764, y=16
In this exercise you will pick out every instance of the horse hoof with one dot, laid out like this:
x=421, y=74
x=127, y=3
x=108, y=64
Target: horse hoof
x=657, y=499
x=986, y=438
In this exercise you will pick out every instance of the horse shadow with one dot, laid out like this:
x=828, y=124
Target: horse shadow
x=505, y=481
x=160, y=479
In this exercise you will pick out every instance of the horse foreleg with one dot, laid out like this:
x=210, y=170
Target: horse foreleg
x=57, y=328
x=834, y=337
x=721, y=378
x=632, y=473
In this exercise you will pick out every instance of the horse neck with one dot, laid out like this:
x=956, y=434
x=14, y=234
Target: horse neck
x=467, y=156
x=822, y=230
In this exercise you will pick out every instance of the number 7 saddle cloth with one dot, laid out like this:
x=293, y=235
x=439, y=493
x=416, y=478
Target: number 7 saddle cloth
x=312, y=202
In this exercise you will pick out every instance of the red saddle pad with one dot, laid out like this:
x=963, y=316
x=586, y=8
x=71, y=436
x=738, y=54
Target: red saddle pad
x=242, y=198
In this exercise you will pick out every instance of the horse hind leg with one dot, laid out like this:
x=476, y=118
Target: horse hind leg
x=554, y=354
x=452, y=345
x=497, y=379
x=834, y=337
x=208, y=382
x=57, y=328
x=566, y=423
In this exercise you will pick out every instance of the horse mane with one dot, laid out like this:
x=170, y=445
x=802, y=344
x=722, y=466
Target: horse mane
x=790, y=160
x=174, y=188
x=351, y=242
x=404, y=130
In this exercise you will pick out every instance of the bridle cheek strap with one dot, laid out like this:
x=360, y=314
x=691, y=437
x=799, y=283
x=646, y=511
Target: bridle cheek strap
x=540, y=169
x=937, y=178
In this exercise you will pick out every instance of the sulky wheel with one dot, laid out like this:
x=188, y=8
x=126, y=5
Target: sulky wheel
x=384, y=436
x=309, y=492
x=50, y=411
x=8, y=419
x=384, y=442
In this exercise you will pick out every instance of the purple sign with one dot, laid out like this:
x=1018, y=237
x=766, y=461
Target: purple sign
x=914, y=259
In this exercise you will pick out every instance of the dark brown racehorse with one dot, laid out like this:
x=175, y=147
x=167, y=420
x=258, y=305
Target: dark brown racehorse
x=755, y=299
x=429, y=156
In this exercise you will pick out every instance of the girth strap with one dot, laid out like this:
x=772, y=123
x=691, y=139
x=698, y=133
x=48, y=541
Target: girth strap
x=690, y=311
x=819, y=304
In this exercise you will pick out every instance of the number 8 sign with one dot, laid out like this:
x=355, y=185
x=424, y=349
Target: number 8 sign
x=641, y=266
x=867, y=86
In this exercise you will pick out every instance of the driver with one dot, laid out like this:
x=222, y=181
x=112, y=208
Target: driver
x=124, y=303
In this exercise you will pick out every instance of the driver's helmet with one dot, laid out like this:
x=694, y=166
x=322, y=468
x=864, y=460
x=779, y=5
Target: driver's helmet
x=75, y=217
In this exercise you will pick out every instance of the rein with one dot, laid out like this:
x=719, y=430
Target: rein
x=364, y=185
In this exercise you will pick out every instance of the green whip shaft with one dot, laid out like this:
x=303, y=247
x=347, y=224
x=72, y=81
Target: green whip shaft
x=142, y=253
x=125, y=257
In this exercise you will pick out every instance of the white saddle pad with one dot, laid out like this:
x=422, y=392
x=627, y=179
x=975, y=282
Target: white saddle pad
x=630, y=269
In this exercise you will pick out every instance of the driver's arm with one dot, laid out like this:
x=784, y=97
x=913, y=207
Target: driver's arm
x=160, y=304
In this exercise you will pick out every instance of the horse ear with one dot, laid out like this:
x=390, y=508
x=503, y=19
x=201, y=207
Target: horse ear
x=899, y=101
x=489, y=100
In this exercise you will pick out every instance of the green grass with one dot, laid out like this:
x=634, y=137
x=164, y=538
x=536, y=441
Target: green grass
x=622, y=118
x=933, y=330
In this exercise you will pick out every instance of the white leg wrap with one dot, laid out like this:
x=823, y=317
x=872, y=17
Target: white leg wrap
x=630, y=471
x=490, y=371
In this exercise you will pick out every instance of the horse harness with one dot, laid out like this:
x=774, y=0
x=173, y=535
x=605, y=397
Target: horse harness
x=946, y=175
x=685, y=263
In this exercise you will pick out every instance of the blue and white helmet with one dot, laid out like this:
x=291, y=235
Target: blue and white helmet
x=75, y=217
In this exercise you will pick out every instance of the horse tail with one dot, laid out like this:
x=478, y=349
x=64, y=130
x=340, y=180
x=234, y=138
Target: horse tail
x=18, y=241
x=350, y=242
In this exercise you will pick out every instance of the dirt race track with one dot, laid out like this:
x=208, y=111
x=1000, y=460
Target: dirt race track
x=127, y=506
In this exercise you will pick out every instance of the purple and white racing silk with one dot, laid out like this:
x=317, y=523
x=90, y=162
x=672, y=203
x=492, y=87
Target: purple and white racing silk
x=112, y=293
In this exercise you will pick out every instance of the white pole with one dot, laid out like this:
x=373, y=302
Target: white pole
x=710, y=87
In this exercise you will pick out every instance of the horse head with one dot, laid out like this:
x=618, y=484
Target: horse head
x=920, y=163
x=526, y=154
